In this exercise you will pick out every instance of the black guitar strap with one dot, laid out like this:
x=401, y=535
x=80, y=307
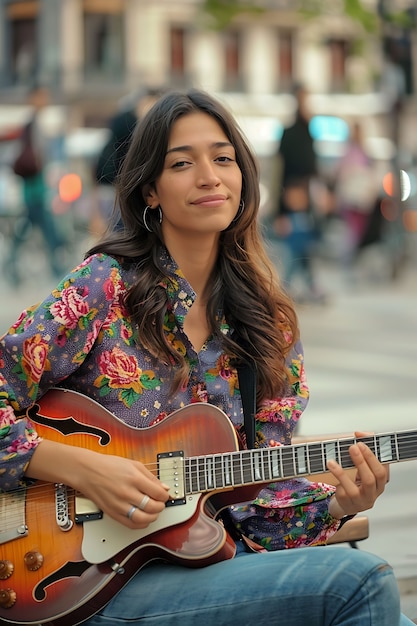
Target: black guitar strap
x=247, y=385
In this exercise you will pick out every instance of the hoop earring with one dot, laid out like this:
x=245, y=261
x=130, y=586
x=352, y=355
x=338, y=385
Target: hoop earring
x=145, y=217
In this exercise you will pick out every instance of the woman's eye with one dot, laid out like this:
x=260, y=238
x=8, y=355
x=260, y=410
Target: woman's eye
x=180, y=164
x=225, y=159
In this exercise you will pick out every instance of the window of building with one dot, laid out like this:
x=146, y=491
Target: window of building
x=338, y=53
x=177, y=60
x=286, y=59
x=23, y=46
x=232, y=52
x=104, y=39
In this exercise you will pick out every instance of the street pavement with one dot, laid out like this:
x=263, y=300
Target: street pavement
x=361, y=362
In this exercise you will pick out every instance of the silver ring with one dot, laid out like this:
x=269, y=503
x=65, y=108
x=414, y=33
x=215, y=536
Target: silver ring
x=144, y=502
x=131, y=511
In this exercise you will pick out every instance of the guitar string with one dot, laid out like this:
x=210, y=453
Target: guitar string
x=198, y=483
x=242, y=462
x=317, y=453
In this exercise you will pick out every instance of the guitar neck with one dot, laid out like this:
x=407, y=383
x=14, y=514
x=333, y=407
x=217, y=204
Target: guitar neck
x=235, y=469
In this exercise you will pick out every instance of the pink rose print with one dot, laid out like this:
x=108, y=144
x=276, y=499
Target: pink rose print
x=92, y=336
x=71, y=307
x=121, y=370
x=7, y=416
x=19, y=319
x=35, y=359
x=112, y=286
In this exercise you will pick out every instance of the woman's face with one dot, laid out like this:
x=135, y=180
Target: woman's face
x=200, y=186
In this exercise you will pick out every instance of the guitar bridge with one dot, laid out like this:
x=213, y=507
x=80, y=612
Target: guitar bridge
x=171, y=472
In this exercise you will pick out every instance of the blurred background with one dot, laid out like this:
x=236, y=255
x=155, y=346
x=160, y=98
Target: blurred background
x=101, y=63
x=357, y=61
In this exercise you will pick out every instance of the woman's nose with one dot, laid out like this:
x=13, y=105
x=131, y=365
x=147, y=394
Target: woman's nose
x=207, y=175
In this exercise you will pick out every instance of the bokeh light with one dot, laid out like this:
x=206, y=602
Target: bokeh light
x=70, y=187
x=388, y=184
x=405, y=185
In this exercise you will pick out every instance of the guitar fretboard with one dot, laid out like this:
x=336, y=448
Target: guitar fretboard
x=236, y=469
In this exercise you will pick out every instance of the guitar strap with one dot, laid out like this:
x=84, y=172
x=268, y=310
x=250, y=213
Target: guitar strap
x=247, y=384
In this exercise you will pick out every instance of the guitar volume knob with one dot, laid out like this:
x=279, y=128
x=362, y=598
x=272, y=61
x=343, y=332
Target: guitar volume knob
x=33, y=560
x=7, y=598
x=6, y=569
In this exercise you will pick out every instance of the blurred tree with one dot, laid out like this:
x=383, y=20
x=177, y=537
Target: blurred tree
x=223, y=12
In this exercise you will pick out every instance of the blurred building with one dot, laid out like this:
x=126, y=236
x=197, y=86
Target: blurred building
x=92, y=52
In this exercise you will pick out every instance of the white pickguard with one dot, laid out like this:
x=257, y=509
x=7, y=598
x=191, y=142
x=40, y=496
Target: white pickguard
x=105, y=537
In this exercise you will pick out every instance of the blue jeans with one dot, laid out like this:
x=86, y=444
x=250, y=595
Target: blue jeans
x=320, y=586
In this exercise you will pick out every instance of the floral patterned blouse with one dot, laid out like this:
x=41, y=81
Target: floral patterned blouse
x=82, y=338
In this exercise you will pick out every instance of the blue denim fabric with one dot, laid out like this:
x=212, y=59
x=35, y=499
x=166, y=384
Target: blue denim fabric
x=320, y=586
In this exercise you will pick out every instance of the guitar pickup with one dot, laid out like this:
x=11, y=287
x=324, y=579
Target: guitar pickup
x=86, y=510
x=171, y=472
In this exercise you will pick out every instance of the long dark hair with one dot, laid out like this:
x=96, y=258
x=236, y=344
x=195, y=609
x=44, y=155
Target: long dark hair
x=243, y=284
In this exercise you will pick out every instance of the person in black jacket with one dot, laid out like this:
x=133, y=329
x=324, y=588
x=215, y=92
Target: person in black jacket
x=111, y=157
x=108, y=165
x=295, y=223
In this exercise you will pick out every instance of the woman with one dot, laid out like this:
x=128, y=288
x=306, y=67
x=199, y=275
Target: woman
x=157, y=317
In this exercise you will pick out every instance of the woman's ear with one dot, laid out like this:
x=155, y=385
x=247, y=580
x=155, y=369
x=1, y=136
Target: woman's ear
x=150, y=196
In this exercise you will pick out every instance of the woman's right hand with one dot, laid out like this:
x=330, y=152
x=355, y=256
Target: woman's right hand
x=115, y=484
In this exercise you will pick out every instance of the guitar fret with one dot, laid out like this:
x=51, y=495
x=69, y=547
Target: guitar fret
x=287, y=462
x=209, y=473
x=187, y=476
x=300, y=460
x=338, y=452
x=385, y=449
x=218, y=471
x=345, y=460
x=275, y=462
x=247, y=473
x=201, y=474
x=315, y=454
x=329, y=452
x=266, y=463
x=257, y=466
x=370, y=442
x=397, y=449
x=193, y=476
x=237, y=469
x=228, y=478
x=407, y=443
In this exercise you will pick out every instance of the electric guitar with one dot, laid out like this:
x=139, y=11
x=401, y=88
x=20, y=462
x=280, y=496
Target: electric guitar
x=62, y=559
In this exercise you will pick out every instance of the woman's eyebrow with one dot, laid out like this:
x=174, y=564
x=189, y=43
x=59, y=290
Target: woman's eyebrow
x=216, y=144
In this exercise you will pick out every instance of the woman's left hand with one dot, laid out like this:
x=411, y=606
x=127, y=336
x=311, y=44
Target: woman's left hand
x=353, y=496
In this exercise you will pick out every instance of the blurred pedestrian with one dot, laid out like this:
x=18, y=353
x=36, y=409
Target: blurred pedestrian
x=109, y=161
x=35, y=152
x=356, y=193
x=393, y=90
x=295, y=223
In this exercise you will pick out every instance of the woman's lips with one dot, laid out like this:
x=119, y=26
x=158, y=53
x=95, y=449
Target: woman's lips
x=210, y=201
